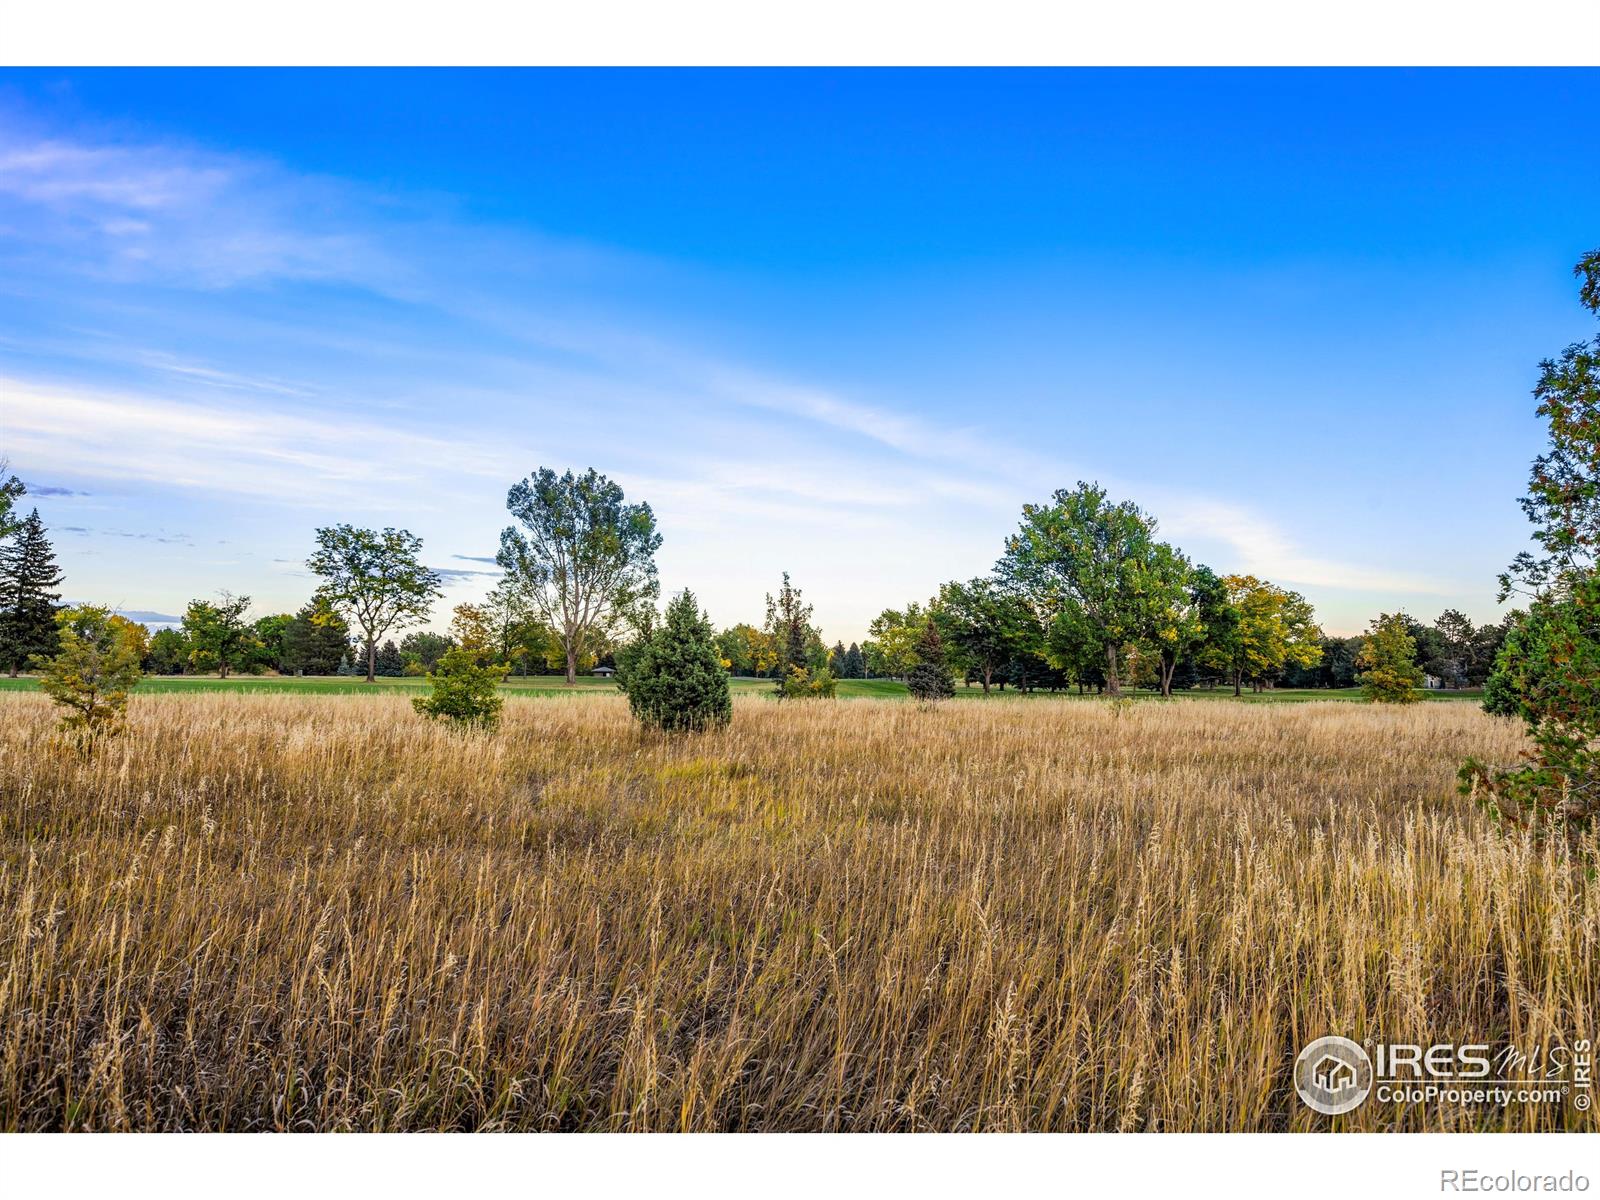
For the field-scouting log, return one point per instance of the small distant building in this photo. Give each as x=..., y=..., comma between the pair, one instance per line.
x=1432, y=682
x=605, y=672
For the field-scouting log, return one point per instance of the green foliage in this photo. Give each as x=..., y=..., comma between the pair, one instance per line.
x=1271, y=628
x=317, y=640
x=95, y=668
x=28, y=582
x=1086, y=567
x=929, y=681
x=218, y=636
x=168, y=653
x=12, y=489
x=1388, y=662
x=465, y=690
x=423, y=649
x=791, y=638
x=674, y=678
x=983, y=626
x=804, y=683
x=1548, y=671
x=1172, y=592
x=374, y=580
x=891, y=649
x=271, y=634
x=582, y=558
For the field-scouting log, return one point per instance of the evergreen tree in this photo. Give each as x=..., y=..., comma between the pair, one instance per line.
x=317, y=641
x=674, y=678
x=838, y=660
x=28, y=582
x=390, y=661
x=929, y=680
x=855, y=663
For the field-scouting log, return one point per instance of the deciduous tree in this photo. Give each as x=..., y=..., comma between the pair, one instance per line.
x=218, y=636
x=1388, y=662
x=94, y=669
x=1082, y=563
x=982, y=625
x=375, y=580
x=1549, y=667
x=582, y=557
x=1275, y=627
x=12, y=489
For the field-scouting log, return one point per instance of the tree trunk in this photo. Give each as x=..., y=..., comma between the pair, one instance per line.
x=1238, y=678
x=1113, y=684
x=1169, y=667
x=988, y=672
x=572, y=667
x=372, y=660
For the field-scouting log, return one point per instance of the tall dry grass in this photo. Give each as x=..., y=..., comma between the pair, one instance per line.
x=273, y=912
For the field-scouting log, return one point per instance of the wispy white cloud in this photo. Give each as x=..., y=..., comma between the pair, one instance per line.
x=1260, y=547
x=290, y=457
x=177, y=214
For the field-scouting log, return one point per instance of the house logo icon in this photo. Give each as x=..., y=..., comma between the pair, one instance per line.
x=1333, y=1075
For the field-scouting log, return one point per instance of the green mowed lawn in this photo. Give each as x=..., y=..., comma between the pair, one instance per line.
x=555, y=686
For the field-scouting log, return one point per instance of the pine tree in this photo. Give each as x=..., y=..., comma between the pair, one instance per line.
x=28, y=597
x=674, y=679
x=929, y=681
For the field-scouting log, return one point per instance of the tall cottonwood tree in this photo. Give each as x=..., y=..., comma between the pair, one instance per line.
x=582, y=558
x=29, y=578
x=374, y=580
x=1083, y=564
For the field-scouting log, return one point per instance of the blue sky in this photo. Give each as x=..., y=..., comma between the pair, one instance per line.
x=838, y=323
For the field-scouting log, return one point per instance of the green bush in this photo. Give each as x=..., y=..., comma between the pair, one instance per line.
x=802, y=683
x=1548, y=674
x=674, y=679
x=465, y=690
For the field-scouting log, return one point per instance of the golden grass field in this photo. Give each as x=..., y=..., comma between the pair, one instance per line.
x=300, y=913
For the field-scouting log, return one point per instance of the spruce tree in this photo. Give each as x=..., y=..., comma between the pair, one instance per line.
x=674, y=679
x=929, y=681
x=855, y=663
x=29, y=578
x=390, y=661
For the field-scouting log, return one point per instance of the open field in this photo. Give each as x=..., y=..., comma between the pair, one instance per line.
x=555, y=685
x=297, y=912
